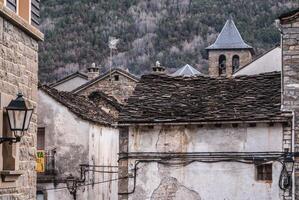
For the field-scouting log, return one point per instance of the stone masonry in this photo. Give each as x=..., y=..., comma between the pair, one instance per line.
x=245, y=58
x=290, y=51
x=120, y=89
x=18, y=73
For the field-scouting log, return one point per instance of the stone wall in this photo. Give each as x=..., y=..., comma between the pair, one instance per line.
x=18, y=73
x=245, y=58
x=290, y=56
x=120, y=89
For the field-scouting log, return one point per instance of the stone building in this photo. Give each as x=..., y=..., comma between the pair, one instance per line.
x=289, y=23
x=19, y=37
x=117, y=83
x=214, y=138
x=229, y=52
x=73, y=131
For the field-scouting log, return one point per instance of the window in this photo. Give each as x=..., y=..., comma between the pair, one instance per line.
x=35, y=12
x=12, y=5
x=264, y=172
x=222, y=65
x=116, y=78
x=41, y=139
x=236, y=62
x=40, y=195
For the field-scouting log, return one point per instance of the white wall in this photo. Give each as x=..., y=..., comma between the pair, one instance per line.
x=78, y=142
x=205, y=181
x=269, y=62
x=71, y=84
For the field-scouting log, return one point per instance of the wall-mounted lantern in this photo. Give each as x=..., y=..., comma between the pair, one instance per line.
x=71, y=184
x=19, y=116
x=285, y=181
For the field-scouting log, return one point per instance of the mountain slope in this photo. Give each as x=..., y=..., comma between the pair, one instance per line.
x=175, y=32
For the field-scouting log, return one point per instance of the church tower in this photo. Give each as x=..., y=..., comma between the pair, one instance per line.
x=229, y=52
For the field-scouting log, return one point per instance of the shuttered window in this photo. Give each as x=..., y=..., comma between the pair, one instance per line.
x=264, y=172
x=35, y=17
x=12, y=4
x=41, y=139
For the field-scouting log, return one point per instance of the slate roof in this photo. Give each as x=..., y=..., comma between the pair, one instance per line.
x=64, y=79
x=80, y=106
x=186, y=70
x=101, y=96
x=229, y=38
x=165, y=99
x=105, y=75
x=289, y=16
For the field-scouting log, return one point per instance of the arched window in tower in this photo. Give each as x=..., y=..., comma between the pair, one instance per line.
x=222, y=65
x=236, y=62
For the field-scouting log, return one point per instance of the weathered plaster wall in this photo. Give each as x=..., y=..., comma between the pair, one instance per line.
x=71, y=84
x=18, y=73
x=121, y=89
x=202, y=180
x=78, y=142
x=269, y=62
x=103, y=151
x=65, y=132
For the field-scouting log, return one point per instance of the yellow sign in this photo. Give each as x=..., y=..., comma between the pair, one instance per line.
x=40, y=161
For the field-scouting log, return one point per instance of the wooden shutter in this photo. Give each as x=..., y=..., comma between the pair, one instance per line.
x=12, y=4
x=41, y=139
x=35, y=16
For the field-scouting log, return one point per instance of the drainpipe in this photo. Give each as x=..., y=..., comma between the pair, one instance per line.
x=293, y=150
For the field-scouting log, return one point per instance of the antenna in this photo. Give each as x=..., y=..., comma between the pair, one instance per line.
x=112, y=46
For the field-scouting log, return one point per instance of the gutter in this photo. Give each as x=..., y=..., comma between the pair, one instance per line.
x=293, y=150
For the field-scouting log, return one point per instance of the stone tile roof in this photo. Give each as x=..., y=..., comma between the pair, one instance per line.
x=186, y=70
x=229, y=38
x=98, y=95
x=80, y=106
x=165, y=99
x=289, y=16
x=105, y=75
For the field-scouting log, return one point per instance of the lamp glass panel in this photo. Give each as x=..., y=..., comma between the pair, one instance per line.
x=289, y=166
x=27, y=120
x=16, y=119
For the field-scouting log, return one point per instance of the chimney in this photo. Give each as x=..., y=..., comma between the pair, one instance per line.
x=158, y=69
x=93, y=71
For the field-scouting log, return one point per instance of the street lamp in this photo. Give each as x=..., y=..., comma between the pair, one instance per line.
x=71, y=184
x=19, y=116
x=286, y=173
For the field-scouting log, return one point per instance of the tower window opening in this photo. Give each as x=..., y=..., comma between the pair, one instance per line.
x=236, y=63
x=222, y=65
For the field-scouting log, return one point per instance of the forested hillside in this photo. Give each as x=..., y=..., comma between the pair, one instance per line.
x=175, y=32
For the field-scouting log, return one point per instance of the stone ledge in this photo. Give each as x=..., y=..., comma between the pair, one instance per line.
x=21, y=23
x=10, y=176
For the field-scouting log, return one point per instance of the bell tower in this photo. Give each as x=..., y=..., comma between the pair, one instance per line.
x=229, y=52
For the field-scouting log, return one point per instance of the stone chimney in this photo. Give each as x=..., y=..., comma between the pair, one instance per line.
x=158, y=69
x=93, y=71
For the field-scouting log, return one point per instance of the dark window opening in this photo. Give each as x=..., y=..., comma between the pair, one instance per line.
x=264, y=172
x=116, y=77
x=41, y=139
x=40, y=195
x=35, y=12
x=222, y=65
x=12, y=5
x=236, y=63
